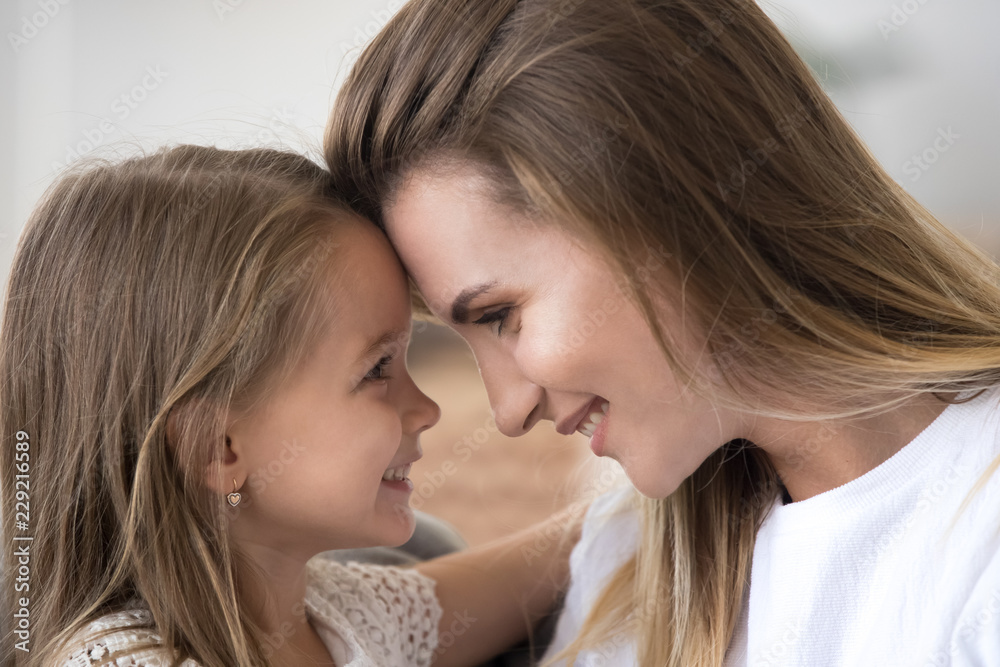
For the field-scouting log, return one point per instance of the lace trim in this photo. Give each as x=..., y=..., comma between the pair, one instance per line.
x=387, y=616
x=133, y=628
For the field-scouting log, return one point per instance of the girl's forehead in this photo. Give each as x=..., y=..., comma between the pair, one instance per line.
x=365, y=296
x=366, y=267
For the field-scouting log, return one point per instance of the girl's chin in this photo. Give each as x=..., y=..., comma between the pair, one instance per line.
x=402, y=523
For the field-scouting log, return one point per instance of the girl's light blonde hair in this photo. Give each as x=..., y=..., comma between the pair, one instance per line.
x=689, y=128
x=172, y=288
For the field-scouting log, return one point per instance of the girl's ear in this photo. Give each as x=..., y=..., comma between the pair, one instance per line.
x=227, y=474
x=223, y=465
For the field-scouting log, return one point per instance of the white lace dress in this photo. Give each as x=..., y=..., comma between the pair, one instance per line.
x=367, y=615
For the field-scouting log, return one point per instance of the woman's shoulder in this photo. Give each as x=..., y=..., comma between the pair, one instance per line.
x=391, y=612
x=976, y=635
x=123, y=638
x=609, y=537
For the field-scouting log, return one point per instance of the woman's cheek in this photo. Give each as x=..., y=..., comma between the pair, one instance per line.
x=554, y=358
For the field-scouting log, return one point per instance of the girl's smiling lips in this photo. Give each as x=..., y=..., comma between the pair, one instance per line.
x=397, y=477
x=401, y=471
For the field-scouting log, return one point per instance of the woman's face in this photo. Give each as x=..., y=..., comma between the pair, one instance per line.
x=553, y=333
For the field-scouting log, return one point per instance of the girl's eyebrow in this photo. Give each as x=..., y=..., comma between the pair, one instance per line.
x=380, y=341
x=460, y=306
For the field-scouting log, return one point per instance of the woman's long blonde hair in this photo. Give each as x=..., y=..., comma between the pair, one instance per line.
x=164, y=289
x=692, y=128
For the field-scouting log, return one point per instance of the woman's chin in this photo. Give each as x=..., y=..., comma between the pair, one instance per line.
x=655, y=488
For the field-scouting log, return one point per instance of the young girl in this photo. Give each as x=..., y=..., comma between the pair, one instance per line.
x=203, y=387
x=653, y=227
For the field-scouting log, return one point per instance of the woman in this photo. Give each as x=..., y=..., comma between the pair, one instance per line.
x=653, y=227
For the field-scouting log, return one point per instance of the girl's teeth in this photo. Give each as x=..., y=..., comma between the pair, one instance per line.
x=396, y=474
x=605, y=405
x=597, y=417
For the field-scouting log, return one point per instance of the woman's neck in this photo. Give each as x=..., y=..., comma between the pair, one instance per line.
x=812, y=458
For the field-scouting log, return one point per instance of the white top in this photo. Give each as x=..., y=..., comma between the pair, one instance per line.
x=367, y=615
x=863, y=574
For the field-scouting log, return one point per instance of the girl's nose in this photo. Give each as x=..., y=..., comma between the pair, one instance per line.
x=431, y=410
x=422, y=413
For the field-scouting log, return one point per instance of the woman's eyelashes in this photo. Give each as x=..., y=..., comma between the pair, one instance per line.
x=378, y=371
x=498, y=316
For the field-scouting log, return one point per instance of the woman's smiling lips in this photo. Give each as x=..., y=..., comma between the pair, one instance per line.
x=592, y=421
x=596, y=415
x=590, y=414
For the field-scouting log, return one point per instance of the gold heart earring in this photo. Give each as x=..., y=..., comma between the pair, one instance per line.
x=234, y=497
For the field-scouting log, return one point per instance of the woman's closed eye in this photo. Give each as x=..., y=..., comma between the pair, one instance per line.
x=498, y=316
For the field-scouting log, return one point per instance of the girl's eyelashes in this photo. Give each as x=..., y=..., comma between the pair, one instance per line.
x=378, y=371
x=499, y=316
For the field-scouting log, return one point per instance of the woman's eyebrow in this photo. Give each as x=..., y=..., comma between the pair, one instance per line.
x=460, y=306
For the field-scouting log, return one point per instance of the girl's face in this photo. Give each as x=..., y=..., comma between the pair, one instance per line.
x=554, y=335
x=316, y=456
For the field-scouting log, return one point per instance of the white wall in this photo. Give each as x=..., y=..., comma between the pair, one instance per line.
x=907, y=74
x=103, y=76
x=80, y=73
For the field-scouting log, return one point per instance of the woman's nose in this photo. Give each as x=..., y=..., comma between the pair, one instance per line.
x=515, y=400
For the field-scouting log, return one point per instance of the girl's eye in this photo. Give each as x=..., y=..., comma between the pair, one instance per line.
x=378, y=371
x=498, y=316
